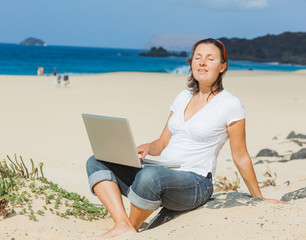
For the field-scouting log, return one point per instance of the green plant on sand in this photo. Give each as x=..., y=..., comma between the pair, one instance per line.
x=19, y=188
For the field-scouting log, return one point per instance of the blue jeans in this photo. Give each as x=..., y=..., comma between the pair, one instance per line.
x=153, y=186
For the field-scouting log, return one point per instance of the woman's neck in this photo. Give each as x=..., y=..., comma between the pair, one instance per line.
x=204, y=90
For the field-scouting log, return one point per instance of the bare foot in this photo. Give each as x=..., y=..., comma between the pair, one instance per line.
x=117, y=230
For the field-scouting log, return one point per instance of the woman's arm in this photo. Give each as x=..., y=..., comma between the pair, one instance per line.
x=156, y=147
x=242, y=160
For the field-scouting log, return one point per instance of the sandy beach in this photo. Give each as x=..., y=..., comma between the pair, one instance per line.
x=42, y=121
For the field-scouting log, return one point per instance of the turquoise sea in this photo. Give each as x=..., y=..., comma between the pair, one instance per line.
x=25, y=60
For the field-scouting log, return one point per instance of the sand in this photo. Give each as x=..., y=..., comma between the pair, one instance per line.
x=43, y=122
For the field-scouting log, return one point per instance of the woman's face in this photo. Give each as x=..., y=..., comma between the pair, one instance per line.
x=206, y=64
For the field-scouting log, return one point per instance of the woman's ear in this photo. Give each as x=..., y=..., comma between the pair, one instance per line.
x=223, y=67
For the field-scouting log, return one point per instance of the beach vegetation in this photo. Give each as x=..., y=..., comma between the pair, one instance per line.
x=23, y=189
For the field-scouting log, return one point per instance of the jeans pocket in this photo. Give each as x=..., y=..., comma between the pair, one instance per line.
x=205, y=192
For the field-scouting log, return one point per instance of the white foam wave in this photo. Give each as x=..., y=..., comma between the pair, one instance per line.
x=181, y=70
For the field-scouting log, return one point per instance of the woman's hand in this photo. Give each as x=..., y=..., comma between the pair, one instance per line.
x=143, y=150
x=156, y=147
x=273, y=200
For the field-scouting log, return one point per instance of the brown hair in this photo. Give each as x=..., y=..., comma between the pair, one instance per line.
x=192, y=83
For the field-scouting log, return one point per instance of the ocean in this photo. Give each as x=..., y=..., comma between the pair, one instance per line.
x=25, y=60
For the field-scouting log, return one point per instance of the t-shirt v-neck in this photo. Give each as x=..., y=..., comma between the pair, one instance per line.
x=201, y=109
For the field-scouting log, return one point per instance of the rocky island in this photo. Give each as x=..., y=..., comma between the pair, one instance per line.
x=33, y=41
x=161, y=52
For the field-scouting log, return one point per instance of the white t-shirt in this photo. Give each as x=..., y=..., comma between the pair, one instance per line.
x=195, y=144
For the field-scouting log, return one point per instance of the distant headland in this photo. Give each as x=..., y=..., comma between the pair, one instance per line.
x=287, y=47
x=33, y=41
x=283, y=48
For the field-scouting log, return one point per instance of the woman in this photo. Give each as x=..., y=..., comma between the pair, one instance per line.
x=201, y=120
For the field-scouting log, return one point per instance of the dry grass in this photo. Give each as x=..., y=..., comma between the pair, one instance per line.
x=222, y=184
x=3, y=205
x=271, y=181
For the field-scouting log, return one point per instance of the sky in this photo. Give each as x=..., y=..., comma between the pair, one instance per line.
x=132, y=23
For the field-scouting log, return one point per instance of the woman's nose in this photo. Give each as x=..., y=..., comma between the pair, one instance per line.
x=202, y=62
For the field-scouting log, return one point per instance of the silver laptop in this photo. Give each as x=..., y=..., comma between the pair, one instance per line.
x=112, y=140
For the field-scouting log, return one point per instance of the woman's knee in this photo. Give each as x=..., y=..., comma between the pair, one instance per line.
x=149, y=175
x=148, y=181
x=90, y=162
x=93, y=165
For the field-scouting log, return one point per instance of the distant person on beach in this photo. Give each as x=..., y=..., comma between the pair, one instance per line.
x=54, y=71
x=59, y=77
x=202, y=118
x=66, y=79
x=40, y=71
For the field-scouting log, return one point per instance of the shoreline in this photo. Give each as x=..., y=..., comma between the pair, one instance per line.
x=303, y=70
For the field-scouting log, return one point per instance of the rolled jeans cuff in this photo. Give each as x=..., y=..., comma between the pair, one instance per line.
x=141, y=202
x=99, y=176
